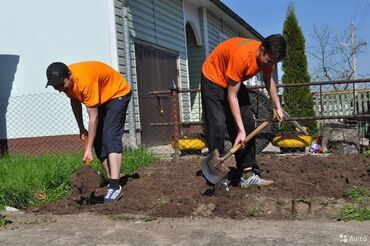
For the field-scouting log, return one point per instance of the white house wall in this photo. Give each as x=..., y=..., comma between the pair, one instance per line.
x=38, y=33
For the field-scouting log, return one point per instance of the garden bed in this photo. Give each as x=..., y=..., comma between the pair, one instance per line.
x=305, y=187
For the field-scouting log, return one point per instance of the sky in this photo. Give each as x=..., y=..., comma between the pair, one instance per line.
x=268, y=16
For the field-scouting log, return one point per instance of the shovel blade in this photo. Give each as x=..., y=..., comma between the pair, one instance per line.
x=213, y=168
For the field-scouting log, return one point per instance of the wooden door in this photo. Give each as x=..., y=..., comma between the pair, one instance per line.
x=156, y=70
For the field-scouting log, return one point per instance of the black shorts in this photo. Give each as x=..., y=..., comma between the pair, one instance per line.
x=111, y=124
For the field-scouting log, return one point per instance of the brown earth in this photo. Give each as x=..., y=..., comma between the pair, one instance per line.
x=305, y=187
x=84, y=183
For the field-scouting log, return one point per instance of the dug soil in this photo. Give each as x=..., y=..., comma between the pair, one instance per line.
x=305, y=187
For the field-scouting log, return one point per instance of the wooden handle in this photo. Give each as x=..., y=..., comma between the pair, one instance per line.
x=249, y=137
x=259, y=128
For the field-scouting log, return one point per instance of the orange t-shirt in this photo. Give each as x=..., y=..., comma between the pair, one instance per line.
x=234, y=58
x=95, y=83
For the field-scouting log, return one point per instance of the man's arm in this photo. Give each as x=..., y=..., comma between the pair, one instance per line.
x=77, y=111
x=272, y=90
x=232, y=97
x=93, y=125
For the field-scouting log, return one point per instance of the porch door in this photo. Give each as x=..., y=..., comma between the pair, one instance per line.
x=156, y=70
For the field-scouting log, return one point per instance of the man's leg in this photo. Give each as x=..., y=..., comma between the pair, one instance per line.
x=106, y=168
x=115, y=165
x=213, y=101
x=98, y=143
x=246, y=157
x=112, y=143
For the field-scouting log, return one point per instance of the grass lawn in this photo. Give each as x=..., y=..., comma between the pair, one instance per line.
x=28, y=180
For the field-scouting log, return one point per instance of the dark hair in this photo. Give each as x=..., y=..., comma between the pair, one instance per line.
x=275, y=45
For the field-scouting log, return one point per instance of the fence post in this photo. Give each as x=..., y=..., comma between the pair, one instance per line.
x=175, y=117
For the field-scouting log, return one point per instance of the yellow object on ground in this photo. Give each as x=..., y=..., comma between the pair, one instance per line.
x=295, y=141
x=191, y=143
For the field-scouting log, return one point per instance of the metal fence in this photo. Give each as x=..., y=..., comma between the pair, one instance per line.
x=38, y=124
x=44, y=123
x=342, y=118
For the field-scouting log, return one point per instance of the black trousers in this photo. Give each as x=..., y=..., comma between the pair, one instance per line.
x=218, y=119
x=111, y=124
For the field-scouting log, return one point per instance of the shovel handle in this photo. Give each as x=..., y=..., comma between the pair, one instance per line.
x=250, y=136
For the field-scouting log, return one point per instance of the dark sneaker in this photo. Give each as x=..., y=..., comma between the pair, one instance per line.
x=254, y=180
x=113, y=195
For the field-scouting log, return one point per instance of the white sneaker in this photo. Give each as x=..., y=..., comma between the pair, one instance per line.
x=254, y=180
x=113, y=195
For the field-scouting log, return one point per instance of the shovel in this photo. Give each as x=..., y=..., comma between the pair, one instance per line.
x=213, y=168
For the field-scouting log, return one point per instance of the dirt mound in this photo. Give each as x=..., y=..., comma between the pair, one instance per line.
x=305, y=186
x=84, y=183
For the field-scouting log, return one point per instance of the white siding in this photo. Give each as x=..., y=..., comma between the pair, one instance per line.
x=122, y=61
x=159, y=22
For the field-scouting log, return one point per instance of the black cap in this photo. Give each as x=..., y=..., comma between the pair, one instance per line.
x=56, y=73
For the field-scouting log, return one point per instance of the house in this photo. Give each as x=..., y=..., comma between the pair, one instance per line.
x=168, y=41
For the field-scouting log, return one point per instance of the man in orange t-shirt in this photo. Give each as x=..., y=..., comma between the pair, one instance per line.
x=106, y=95
x=225, y=98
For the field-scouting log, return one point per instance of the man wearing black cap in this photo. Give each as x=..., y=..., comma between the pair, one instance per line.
x=106, y=95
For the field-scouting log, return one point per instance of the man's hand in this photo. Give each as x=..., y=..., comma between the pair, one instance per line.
x=240, y=139
x=279, y=115
x=88, y=156
x=83, y=134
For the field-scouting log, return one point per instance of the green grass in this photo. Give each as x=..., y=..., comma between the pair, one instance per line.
x=4, y=221
x=358, y=194
x=358, y=211
x=351, y=212
x=136, y=158
x=24, y=176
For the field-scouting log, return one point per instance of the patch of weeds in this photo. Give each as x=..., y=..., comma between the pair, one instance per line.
x=124, y=217
x=256, y=212
x=359, y=211
x=358, y=194
x=324, y=203
x=149, y=219
x=366, y=152
x=4, y=221
x=350, y=212
x=163, y=201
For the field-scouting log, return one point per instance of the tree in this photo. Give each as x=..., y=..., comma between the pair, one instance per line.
x=298, y=101
x=335, y=56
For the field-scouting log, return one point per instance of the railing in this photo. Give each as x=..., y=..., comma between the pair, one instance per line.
x=329, y=105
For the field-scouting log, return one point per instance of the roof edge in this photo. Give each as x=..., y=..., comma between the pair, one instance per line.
x=236, y=17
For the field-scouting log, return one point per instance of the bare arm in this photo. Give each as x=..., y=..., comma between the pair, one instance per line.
x=232, y=97
x=77, y=111
x=272, y=90
x=93, y=125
